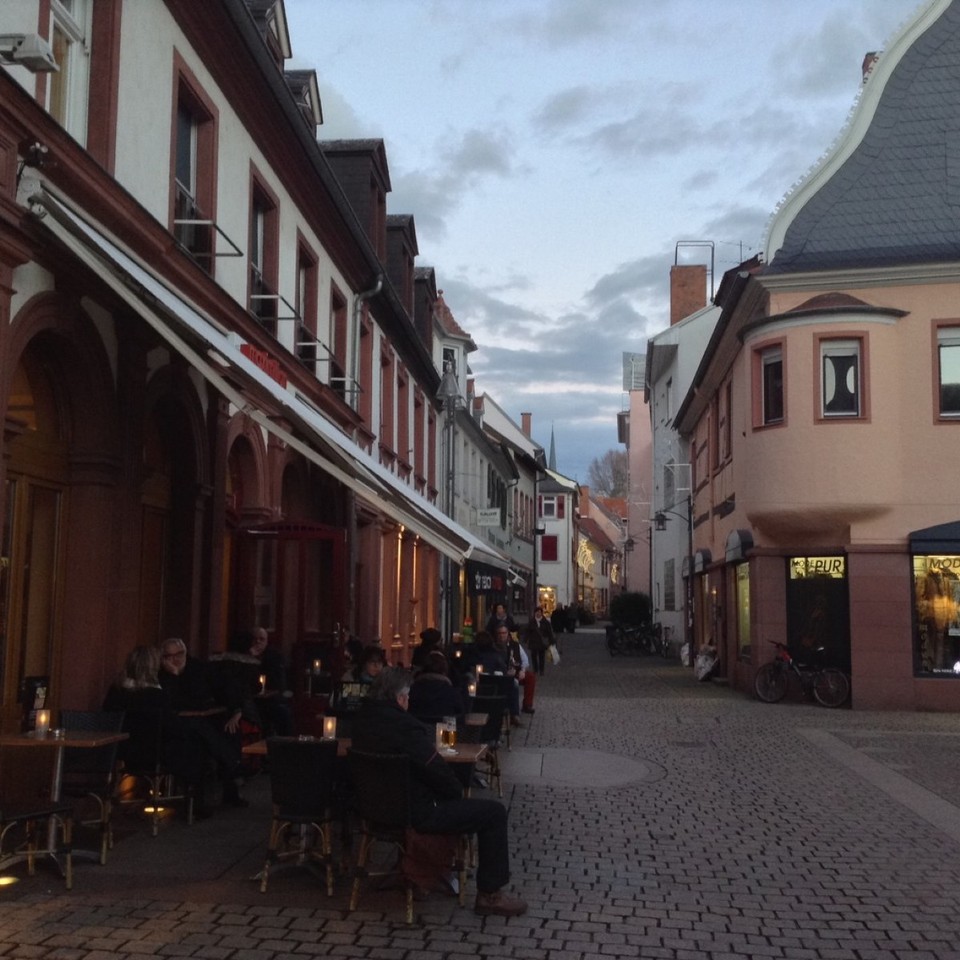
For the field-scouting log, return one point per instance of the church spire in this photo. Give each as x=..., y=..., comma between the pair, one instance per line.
x=552, y=462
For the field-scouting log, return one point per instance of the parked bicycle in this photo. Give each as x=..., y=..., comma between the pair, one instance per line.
x=829, y=685
x=628, y=641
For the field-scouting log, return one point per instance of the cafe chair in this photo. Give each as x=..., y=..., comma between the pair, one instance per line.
x=302, y=788
x=490, y=685
x=91, y=773
x=142, y=766
x=491, y=733
x=24, y=831
x=381, y=801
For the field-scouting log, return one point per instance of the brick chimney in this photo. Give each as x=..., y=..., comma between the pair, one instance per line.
x=584, y=500
x=688, y=290
x=869, y=61
x=525, y=419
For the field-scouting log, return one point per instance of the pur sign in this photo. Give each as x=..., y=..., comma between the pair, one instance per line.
x=835, y=568
x=265, y=362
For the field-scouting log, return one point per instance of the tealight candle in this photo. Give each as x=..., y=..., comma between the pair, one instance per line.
x=472, y=688
x=43, y=723
x=329, y=728
x=263, y=683
x=479, y=669
x=316, y=667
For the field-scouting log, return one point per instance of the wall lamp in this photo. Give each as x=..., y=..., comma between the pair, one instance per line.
x=27, y=50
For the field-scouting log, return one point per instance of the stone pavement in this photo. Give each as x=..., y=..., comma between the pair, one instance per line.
x=652, y=816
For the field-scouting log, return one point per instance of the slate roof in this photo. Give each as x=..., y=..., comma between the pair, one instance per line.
x=896, y=199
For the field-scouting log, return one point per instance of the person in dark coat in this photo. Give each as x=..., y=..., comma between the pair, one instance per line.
x=432, y=694
x=156, y=732
x=383, y=725
x=430, y=639
x=498, y=617
x=539, y=635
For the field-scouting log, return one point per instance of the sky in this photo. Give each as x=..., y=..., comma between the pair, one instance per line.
x=553, y=154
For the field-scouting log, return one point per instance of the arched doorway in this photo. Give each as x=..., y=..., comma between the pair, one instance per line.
x=36, y=502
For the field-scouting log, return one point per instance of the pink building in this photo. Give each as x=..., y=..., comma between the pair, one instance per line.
x=823, y=420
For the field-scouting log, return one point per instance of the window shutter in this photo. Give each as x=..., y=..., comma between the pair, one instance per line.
x=560, y=502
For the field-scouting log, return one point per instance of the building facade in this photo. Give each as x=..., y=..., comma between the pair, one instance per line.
x=822, y=420
x=219, y=411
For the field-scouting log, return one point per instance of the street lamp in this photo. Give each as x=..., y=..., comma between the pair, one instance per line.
x=660, y=521
x=448, y=393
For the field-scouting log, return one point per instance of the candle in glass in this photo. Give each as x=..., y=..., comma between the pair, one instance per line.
x=472, y=688
x=43, y=723
x=263, y=683
x=479, y=669
x=316, y=667
x=329, y=728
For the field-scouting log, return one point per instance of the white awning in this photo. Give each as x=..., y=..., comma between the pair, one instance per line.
x=215, y=352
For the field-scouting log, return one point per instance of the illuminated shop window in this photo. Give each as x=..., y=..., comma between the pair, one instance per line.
x=936, y=590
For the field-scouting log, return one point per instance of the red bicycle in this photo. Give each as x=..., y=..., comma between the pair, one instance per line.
x=830, y=686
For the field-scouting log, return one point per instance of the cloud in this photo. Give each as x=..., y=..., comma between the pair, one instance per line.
x=571, y=23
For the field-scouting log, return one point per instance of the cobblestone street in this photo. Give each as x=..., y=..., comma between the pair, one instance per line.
x=652, y=816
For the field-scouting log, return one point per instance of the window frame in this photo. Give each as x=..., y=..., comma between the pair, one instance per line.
x=943, y=330
x=71, y=82
x=196, y=200
x=553, y=541
x=841, y=344
x=263, y=253
x=307, y=298
x=763, y=356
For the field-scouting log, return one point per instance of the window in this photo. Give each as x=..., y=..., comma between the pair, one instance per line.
x=771, y=371
x=262, y=256
x=743, y=610
x=948, y=363
x=548, y=548
x=840, y=382
x=193, y=187
x=726, y=417
x=669, y=584
x=936, y=590
x=306, y=344
x=450, y=361
x=548, y=506
x=69, y=87
x=338, y=341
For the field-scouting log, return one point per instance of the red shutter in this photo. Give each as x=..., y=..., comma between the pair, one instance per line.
x=560, y=503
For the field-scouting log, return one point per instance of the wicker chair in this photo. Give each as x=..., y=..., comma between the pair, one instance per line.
x=302, y=787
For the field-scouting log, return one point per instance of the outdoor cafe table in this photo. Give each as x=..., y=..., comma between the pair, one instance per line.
x=464, y=752
x=81, y=739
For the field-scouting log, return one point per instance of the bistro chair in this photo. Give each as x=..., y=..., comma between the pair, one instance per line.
x=90, y=773
x=143, y=766
x=30, y=820
x=381, y=801
x=491, y=733
x=492, y=685
x=302, y=788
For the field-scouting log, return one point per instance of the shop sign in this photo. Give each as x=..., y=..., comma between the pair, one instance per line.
x=269, y=365
x=488, y=517
x=483, y=578
x=834, y=568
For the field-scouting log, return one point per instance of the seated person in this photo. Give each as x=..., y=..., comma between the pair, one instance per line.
x=157, y=734
x=432, y=694
x=499, y=616
x=273, y=705
x=371, y=663
x=484, y=653
x=235, y=677
x=186, y=682
x=519, y=666
x=430, y=639
x=438, y=806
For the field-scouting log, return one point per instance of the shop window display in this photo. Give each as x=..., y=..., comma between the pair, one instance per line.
x=936, y=582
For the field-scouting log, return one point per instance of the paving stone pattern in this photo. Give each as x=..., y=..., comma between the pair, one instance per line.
x=745, y=838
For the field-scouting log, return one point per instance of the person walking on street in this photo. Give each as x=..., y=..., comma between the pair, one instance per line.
x=539, y=635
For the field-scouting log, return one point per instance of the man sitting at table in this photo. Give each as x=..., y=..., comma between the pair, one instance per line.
x=383, y=725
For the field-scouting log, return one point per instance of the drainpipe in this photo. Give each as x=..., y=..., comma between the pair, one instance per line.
x=355, y=359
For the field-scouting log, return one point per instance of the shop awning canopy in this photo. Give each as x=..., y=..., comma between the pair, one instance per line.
x=943, y=538
x=215, y=352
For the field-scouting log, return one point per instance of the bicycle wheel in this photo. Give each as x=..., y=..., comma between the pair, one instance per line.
x=770, y=682
x=831, y=687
